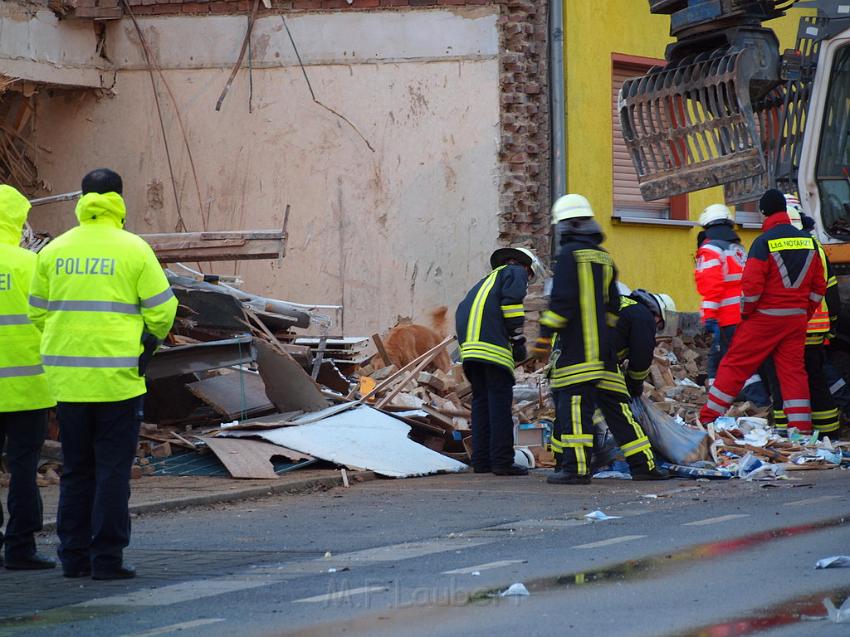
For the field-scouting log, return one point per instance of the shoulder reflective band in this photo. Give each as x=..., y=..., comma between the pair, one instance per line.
x=14, y=319
x=157, y=299
x=23, y=370
x=791, y=243
x=92, y=306
x=91, y=361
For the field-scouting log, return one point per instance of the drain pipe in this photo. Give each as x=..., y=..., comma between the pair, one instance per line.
x=557, y=111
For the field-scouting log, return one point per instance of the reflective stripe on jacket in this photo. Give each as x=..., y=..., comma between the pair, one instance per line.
x=95, y=290
x=719, y=268
x=821, y=322
x=490, y=314
x=23, y=385
x=583, y=310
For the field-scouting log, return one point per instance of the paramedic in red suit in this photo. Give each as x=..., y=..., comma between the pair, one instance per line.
x=783, y=284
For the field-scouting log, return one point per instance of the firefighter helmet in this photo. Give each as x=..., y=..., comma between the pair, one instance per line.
x=523, y=256
x=570, y=206
x=714, y=214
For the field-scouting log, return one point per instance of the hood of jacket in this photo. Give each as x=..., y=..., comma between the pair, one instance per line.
x=776, y=219
x=14, y=208
x=723, y=232
x=101, y=209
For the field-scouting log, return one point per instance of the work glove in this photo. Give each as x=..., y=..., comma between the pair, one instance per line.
x=518, y=349
x=542, y=348
x=635, y=387
x=150, y=344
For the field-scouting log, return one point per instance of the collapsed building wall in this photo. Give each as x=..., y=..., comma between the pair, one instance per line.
x=449, y=100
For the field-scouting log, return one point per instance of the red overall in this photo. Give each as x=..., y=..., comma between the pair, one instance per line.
x=782, y=286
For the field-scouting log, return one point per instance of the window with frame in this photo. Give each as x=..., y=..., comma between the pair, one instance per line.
x=629, y=205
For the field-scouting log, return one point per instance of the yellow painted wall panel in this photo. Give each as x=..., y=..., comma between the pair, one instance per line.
x=659, y=258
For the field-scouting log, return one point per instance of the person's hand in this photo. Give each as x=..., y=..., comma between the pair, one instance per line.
x=542, y=349
x=150, y=343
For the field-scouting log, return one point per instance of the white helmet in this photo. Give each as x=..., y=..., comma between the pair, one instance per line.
x=523, y=256
x=666, y=303
x=663, y=303
x=794, y=210
x=716, y=213
x=571, y=206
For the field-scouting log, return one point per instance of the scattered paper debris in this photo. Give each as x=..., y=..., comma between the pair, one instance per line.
x=836, y=561
x=601, y=517
x=838, y=615
x=516, y=589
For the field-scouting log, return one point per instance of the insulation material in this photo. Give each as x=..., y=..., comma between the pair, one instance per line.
x=360, y=438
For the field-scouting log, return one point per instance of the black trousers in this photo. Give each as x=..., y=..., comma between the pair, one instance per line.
x=21, y=435
x=573, y=438
x=492, y=416
x=825, y=415
x=98, y=444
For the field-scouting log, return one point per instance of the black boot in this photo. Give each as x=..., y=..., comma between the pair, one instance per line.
x=34, y=562
x=510, y=470
x=655, y=474
x=122, y=572
x=562, y=477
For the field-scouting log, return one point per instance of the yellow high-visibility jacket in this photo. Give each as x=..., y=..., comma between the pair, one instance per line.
x=23, y=385
x=96, y=289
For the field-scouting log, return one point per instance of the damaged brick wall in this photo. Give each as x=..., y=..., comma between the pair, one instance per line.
x=525, y=129
x=524, y=179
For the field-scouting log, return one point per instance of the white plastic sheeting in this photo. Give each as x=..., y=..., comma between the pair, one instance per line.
x=359, y=438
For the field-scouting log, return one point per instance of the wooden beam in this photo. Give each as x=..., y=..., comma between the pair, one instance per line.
x=233, y=245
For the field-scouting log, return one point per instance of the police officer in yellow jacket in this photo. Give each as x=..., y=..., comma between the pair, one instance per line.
x=103, y=303
x=489, y=324
x=24, y=397
x=583, y=312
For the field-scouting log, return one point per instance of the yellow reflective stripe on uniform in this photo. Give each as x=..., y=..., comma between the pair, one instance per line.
x=587, y=302
x=90, y=361
x=157, y=299
x=636, y=446
x=611, y=319
x=553, y=320
x=831, y=282
x=575, y=416
x=577, y=441
x=14, y=319
x=637, y=375
x=476, y=313
x=791, y=243
x=556, y=446
x=487, y=352
x=815, y=338
x=21, y=370
x=607, y=275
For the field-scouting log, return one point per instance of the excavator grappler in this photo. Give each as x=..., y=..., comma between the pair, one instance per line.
x=727, y=108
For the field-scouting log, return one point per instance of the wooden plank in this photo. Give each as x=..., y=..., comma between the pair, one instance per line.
x=382, y=351
x=232, y=396
x=413, y=373
x=390, y=380
x=250, y=459
x=218, y=246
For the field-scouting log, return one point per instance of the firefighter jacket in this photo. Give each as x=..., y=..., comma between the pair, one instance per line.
x=784, y=275
x=582, y=311
x=491, y=315
x=96, y=289
x=719, y=267
x=635, y=337
x=23, y=385
x=825, y=318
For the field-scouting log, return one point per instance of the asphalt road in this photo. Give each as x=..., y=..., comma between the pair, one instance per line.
x=430, y=556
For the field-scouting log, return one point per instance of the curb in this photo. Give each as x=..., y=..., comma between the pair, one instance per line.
x=292, y=488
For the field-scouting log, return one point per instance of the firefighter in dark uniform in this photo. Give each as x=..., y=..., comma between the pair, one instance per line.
x=583, y=311
x=642, y=314
x=489, y=324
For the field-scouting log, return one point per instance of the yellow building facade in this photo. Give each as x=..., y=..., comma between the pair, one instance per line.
x=597, y=34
